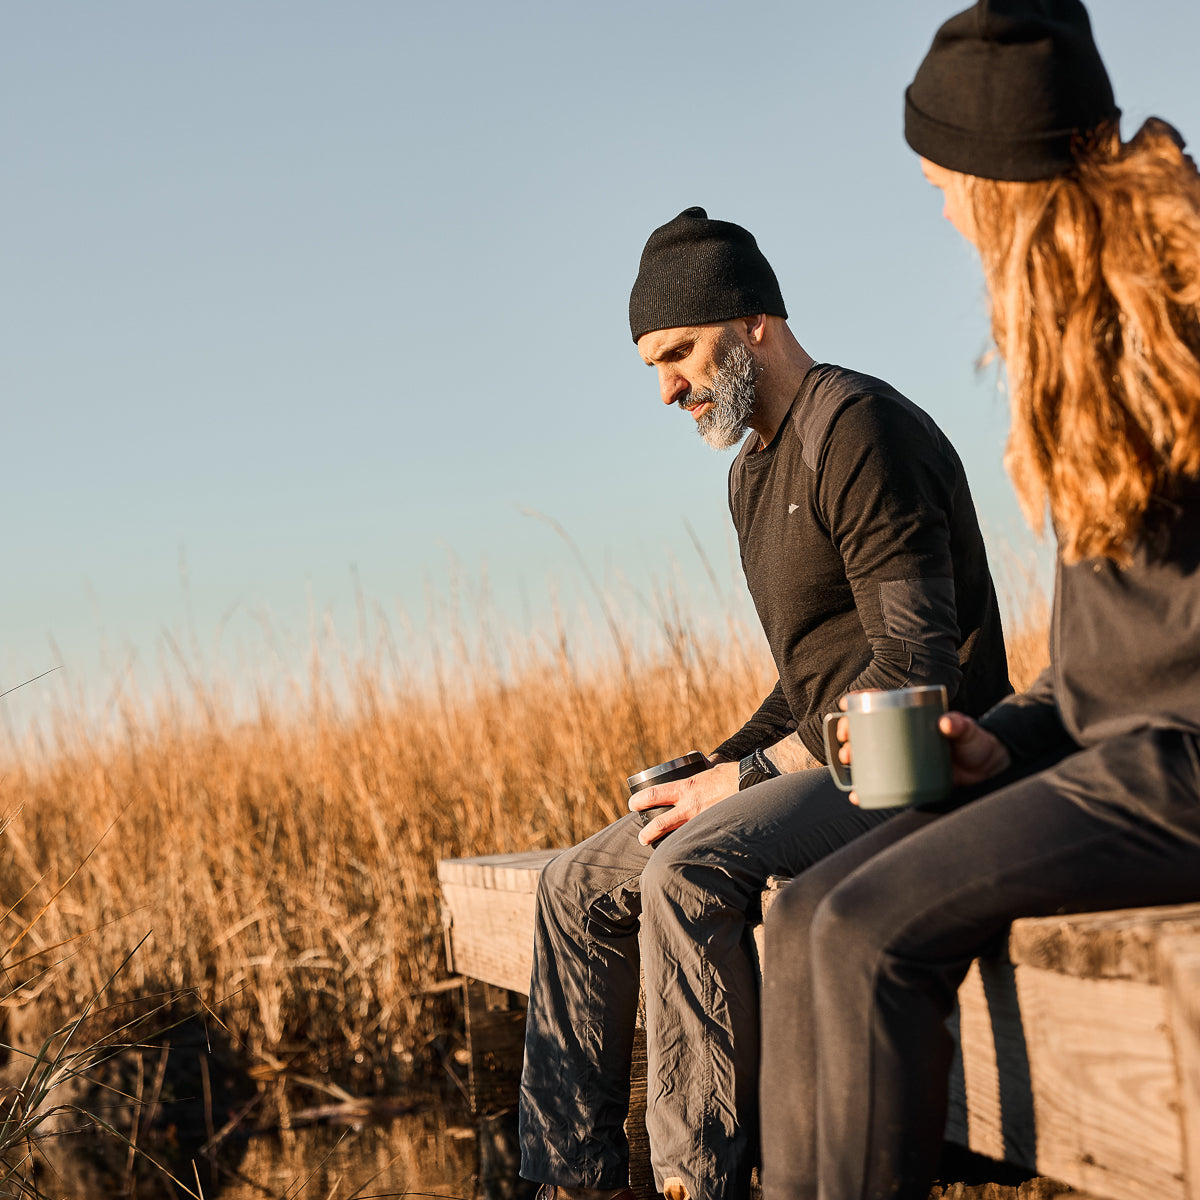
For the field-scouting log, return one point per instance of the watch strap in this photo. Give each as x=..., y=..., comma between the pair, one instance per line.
x=756, y=767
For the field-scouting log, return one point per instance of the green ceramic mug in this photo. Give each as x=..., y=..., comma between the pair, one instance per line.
x=900, y=757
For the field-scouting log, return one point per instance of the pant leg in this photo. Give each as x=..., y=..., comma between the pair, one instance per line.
x=583, y=999
x=788, y=1078
x=1115, y=825
x=700, y=890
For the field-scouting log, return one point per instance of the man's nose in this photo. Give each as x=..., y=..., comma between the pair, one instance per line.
x=673, y=386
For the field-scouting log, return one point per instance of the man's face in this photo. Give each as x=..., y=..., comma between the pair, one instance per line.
x=709, y=371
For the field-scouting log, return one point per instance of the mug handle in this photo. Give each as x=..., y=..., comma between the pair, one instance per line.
x=840, y=772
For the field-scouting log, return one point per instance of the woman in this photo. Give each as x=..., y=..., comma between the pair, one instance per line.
x=1083, y=793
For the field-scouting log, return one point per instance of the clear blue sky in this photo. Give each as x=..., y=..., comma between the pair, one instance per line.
x=297, y=289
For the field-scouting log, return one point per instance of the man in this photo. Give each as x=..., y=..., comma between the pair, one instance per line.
x=861, y=550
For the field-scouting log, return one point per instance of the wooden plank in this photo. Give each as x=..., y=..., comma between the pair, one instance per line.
x=980, y=1075
x=957, y=1125
x=496, y=872
x=490, y=934
x=641, y=1175
x=995, y=1055
x=1072, y=1078
x=1106, y=945
x=1179, y=956
x=1103, y=1078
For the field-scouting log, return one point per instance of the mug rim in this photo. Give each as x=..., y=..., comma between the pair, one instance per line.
x=663, y=772
x=926, y=696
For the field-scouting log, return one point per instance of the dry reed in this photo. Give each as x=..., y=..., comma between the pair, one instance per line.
x=285, y=864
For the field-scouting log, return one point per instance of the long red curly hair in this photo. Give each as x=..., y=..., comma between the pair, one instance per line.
x=1094, y=280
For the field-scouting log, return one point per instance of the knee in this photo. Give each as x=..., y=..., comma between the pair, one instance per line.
x=560, y=883
x=822, y=925
x=847, y=926
x=592, y=882
x=662, y=878
x=678, y=885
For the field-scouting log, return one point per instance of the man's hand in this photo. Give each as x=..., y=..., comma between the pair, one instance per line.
x=975, y=754
x=685, y=799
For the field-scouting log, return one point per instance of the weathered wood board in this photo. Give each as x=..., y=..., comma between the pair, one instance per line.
x=1079, y=1051
x=1179, y=967
x=1122, y=944
x=1105, y=1094
x=487, y=916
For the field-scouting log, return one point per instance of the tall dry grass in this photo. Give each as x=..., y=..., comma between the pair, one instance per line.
x=284, y=865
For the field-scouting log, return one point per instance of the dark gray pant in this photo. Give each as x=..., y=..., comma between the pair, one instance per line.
x=695, y=893
x=866, y=951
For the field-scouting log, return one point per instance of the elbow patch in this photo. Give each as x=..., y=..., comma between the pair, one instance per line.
x=919, y=611
x=917, y=616
x=921, y=614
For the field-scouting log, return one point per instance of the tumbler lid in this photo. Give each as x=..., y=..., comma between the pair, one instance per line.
x=691, y=763
x=912, y=697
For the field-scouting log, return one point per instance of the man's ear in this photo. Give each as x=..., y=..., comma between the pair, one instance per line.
x=756, y=328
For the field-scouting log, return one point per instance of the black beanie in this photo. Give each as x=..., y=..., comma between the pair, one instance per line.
x=695, y=272
x=1006, y=88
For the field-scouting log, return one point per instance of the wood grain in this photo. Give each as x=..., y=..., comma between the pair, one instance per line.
x=1104, y=1086
x=641, y=1175
x=1179, y=959
x=490, y=934
x=1108, y=945
x=496, y=872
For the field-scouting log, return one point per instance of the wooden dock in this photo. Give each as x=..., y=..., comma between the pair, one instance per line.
x=1079, y=1050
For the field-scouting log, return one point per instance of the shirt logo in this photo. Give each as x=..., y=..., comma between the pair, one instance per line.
x=792, y=508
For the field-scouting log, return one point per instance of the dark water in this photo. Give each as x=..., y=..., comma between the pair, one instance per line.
x=433, y=1152
x=187, y=1115
x=211, y=1134
x=437, y=1152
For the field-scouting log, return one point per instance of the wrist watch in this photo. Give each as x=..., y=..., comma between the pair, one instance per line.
x=755, y=768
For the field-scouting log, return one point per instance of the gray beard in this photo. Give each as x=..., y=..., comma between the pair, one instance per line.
x=732, y=395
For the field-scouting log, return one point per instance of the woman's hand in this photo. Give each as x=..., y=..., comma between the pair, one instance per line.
x=975, y=754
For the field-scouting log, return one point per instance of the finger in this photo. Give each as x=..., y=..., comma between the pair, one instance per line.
x=671, y=819
x=843, y=730
x=651, y=797
x=651, y=833
x=853, y=798
x=955, y=724
x=844, y=754
x=641, y=802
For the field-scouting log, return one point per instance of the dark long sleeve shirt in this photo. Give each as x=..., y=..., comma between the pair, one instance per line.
x=863, y=555
x=1124, y=644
